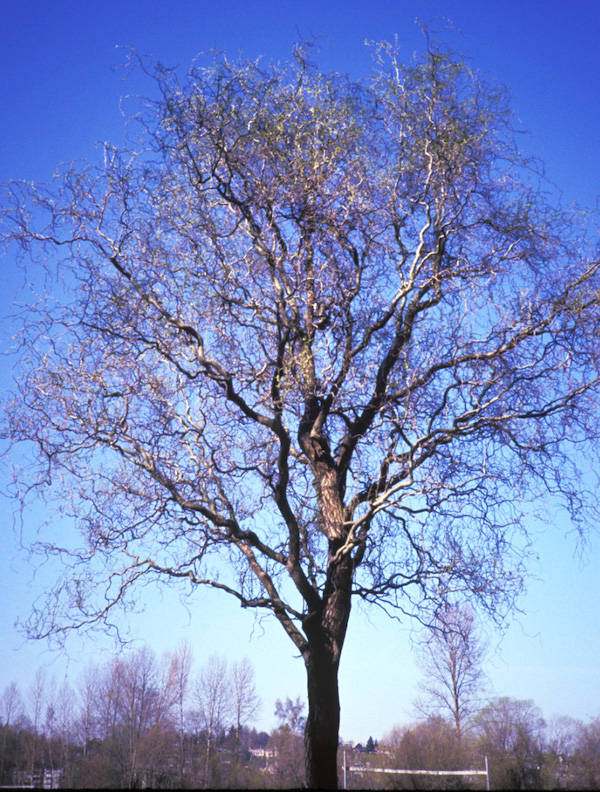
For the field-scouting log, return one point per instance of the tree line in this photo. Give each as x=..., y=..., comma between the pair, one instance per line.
x=137, y=720
x=523, y=751
x=140, y=721
x=462, y=728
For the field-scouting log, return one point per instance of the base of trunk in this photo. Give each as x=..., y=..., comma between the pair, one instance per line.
x=321, y=736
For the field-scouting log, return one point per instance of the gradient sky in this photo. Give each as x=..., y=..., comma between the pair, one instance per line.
x=59, y=96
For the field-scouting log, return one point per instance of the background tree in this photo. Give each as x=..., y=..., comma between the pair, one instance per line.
x=50, y=718
x=212, y=695
x=179, y=671
x=336, y=333
x=290, y=714
x=145, y=715
x=287, y=767
x=65, y=718
x=561, y=741
x=371, y=745
x=451, y=658
x=36, y=701
x=511, y=735
x=86, y=722
x=246, y=701
x=123, y=731
x=427, y=745
x=107, y=706
x=11, y=706
x=585, y=769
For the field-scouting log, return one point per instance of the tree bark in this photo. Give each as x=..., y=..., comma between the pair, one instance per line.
x=326, y=631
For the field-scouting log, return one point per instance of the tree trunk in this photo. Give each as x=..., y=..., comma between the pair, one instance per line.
x=321, y=734
x=326, y=631
x=207, y=759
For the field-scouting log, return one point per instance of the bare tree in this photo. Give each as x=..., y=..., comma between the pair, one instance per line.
x=11, y=705
x=286, y=743
x=290, y=714
x=107, y=698
x=50, y=718
x=86, y=721
x=139, y=699
x=36, y=699
x=451, y=658
x=335, y=333
x=128, y=705
x=65, y=714
x=212, y=694
x=562, y=735
x=246, y=701
x=179, y=672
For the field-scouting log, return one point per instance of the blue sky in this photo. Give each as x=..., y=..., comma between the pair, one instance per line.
x=59, y=96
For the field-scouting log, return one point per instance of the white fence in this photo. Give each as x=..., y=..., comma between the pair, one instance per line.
x=362, y=769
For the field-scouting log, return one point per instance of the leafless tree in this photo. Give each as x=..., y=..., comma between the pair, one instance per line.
x=213, y=699
x=179, y=672
x=86, y=721
x=336, y=333
x=11, y=706
x=107, y=698
x=65, y=716
x=246, y=701
x=290, y=714
x=286, y=743
x=562, y=739
x=451, y=657
x=139, y=706
x=36, y=700
x=50, y=723
x=562, y=735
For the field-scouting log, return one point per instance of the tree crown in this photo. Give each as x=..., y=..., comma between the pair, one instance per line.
x=303, y=320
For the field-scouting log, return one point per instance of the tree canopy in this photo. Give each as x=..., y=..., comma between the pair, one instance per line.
x=306, y=338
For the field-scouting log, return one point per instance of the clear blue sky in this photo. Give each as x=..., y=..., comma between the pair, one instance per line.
x=59, y=96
